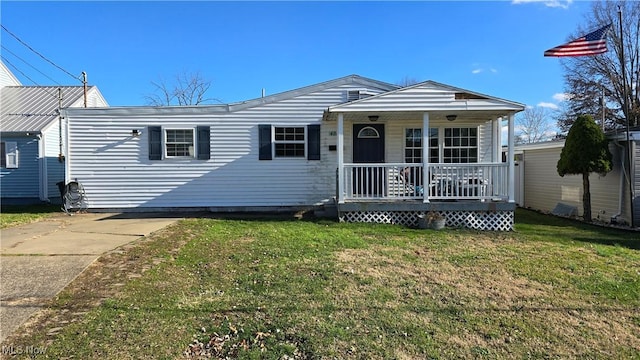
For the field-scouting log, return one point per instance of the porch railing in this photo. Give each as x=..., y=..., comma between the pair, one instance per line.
x=390, y=181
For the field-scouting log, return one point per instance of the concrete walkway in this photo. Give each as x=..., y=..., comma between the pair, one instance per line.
x=38, y=260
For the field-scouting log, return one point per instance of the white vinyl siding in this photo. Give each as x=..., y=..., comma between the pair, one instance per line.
x=116, y=171
x=544, y=188
x=53, y=168
x=396, y=136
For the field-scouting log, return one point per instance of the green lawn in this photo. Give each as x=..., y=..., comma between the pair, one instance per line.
x=13, y=215
x=285, y=289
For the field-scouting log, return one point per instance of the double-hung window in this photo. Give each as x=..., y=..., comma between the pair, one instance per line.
x=299, y=142
x=289, y=141
x=185, y=143
x=413, y=145
x=9, y=154
x=179, y=143
x=460, y=145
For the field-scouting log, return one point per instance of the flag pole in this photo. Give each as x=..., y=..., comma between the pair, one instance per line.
x=626, y=115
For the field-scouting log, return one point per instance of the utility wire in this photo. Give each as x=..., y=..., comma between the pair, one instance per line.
x=24, y=61
x=25, y=75
x=42, y=56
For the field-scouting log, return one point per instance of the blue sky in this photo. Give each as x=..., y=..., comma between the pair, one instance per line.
x=491, y=47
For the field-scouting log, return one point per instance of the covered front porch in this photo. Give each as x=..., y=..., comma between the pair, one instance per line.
x=400, y=156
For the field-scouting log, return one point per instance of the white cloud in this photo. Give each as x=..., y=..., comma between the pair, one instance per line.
x=564, y=4
x=559, y=97
x=548, y=105
x=479, y=70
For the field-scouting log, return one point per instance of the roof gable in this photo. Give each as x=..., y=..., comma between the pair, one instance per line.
x=429, y=96
x=346, y=80
x=33, y=108
x=6, y=77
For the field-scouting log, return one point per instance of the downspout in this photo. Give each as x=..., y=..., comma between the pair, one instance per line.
x=614, y=218
x=67, y=173
x=60, y=153
x=42, y=158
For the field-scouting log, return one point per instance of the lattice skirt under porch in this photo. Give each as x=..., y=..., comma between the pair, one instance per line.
x=479, y=220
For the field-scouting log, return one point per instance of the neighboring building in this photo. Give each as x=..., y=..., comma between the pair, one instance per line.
x=352, y=144
x=33, y=137
x=541, y=188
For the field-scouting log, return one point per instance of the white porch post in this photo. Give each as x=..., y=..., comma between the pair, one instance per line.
x=340, y=149
x=497, y=144
x=511, y=160
x=425, y=157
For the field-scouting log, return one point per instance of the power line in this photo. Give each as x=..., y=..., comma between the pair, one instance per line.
x=25, y=75
x=42, y=56
x=33, y=67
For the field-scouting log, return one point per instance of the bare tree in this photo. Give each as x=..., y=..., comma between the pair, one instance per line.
x=407, y=81
x=188, y=89
x=587, y=78
x=532, y=125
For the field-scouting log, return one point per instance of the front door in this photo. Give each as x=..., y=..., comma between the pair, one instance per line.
x=368, y=147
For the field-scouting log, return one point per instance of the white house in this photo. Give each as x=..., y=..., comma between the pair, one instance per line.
x=611, y=198
x=352, y=143
x=33, y=137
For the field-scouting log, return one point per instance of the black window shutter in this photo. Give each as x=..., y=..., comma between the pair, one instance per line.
x=204, y=147
x=155, y=143
x=313, y=142
x=264, y=138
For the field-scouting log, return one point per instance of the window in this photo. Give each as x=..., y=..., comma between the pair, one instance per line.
x=413, y=145
x=433, y=146
x=368, y=133
x=179, y=143
x=3, y=155
x=353, y=95
x=289, y=141
x=460, y=145
x=9, y=154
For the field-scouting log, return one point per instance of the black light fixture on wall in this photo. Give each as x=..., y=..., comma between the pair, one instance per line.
x=373, y=118
x=452, y=117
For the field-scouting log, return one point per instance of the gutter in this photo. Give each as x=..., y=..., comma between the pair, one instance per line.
x=34, y=134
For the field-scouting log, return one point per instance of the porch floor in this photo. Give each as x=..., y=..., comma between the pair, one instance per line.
x=419, y=205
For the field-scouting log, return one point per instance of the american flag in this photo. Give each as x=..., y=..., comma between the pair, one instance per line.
x=591, y=44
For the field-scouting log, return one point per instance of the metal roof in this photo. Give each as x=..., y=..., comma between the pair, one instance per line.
x=33, y=108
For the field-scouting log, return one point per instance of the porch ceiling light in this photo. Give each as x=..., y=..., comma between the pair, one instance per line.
x=452, y=117
x=373, y=118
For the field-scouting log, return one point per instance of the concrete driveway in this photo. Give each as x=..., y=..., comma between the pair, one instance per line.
x=38, y=260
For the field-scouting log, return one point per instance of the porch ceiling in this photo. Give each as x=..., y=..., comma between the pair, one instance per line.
x=386, y=116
